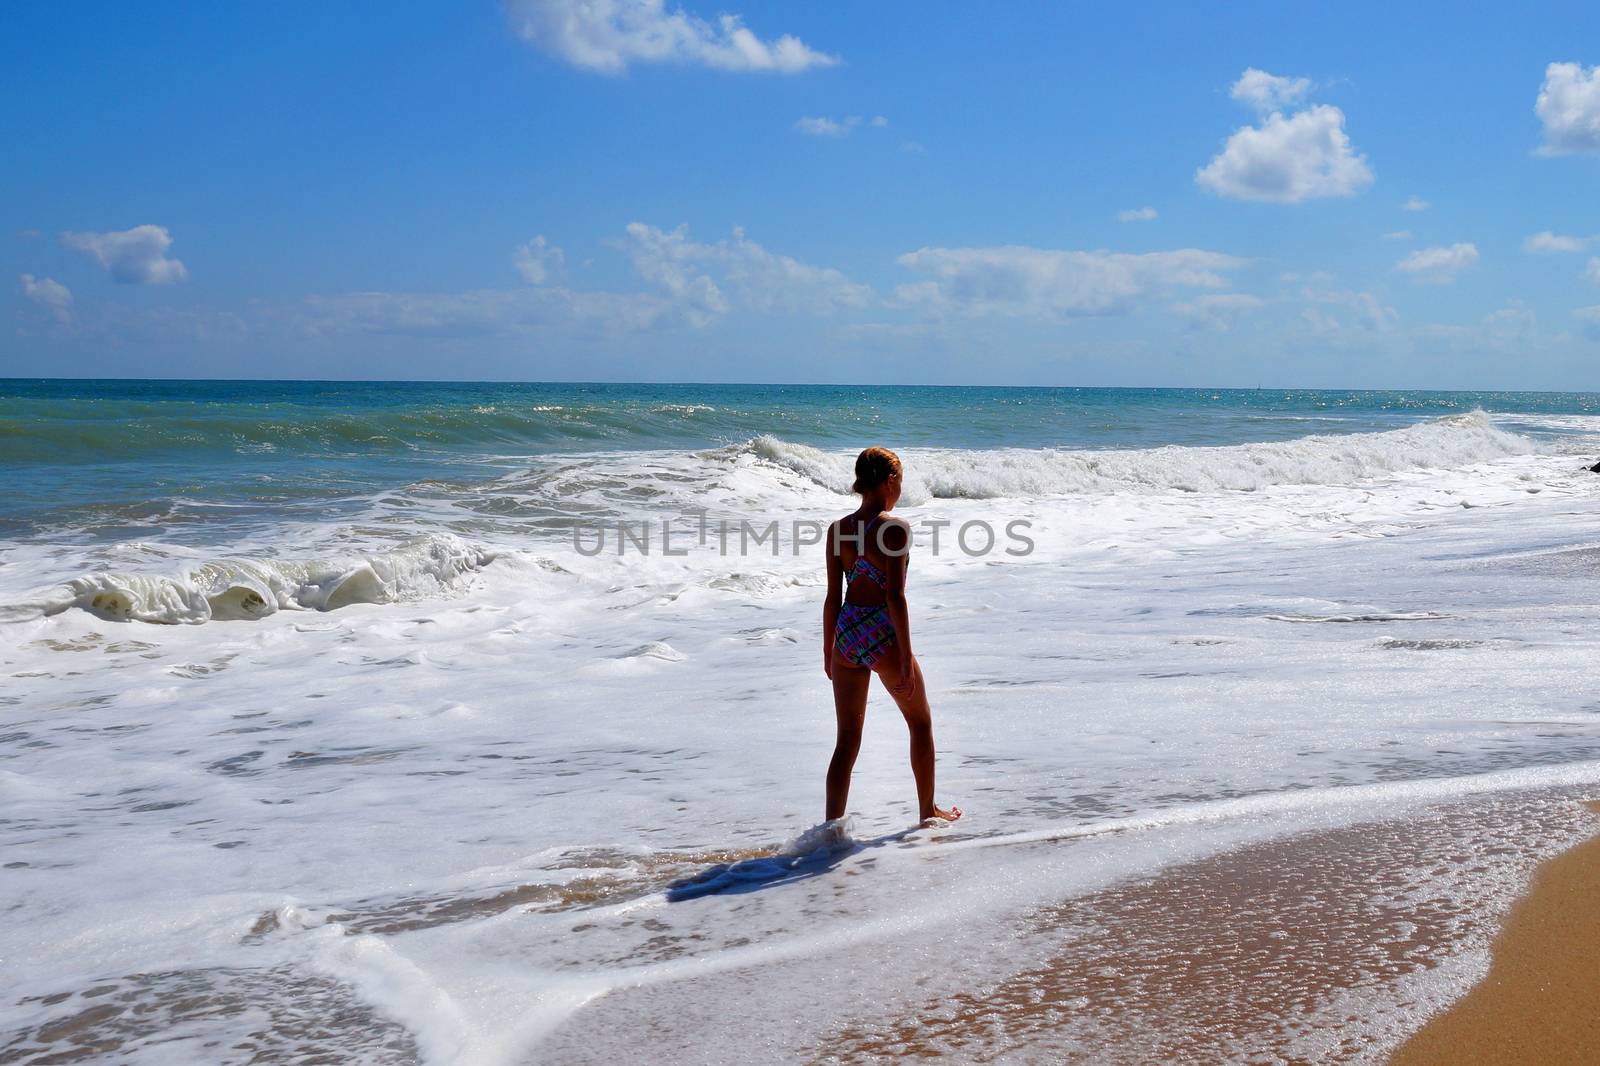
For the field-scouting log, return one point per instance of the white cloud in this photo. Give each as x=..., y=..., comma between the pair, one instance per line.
x=1514, y=324
x=1569, y=107
x=1138, y=214
x=1438, y=265
x=1512, y=330
x=695, y=274
x=135, y=256
x=1590, y=317
x=689, y=284
x=1398, y=235
x=1041, y=282
x=1415, y=203
x=666, y=260
x=827, y=127
x=1219, y=310
x=913, y=148
x=49, y=294
x=1352, y=313
x=539, y=261
x=608, y=36
x=1548, y=242
x=1593, y=271
x=822, y=126
x=1268, y=92
x=1288, y=160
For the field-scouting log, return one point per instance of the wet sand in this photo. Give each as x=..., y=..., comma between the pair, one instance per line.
x=1538, y=1002
x=1323, y=947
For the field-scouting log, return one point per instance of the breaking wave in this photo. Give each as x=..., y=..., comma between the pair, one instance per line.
x=247, y=589
x=1446, y=443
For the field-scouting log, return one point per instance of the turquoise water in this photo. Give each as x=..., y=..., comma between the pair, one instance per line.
x=209, y=460
x=332, y=658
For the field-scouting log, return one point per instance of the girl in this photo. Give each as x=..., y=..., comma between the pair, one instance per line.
x=870, y=632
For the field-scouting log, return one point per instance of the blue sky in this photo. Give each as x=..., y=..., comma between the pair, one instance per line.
x=880, y=192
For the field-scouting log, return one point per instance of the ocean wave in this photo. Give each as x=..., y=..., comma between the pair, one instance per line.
x=1334, y=459
x=249, y=589
x=75, y=431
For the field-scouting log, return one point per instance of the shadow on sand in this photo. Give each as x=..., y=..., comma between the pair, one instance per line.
x=811, y=854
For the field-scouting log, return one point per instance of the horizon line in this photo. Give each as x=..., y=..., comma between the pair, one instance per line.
x=794, y=384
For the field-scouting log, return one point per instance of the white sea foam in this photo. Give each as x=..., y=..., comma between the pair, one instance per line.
x=1446, y=443
x=530, y=812
x=249, y=589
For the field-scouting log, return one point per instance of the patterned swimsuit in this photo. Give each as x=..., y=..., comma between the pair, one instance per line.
x=864, y=630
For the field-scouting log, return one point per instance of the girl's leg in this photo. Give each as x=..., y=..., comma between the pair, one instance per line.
x=850, y=685
x=911, y=695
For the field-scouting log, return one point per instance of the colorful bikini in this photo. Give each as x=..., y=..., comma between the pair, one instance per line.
x=864, y=630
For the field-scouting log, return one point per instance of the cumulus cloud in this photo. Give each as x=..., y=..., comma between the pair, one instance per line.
x=689, y=284
x=539, y=261
x=1345, y=316
x=1218, y=310
x=607, y=36
x=713, y=278
x=1593, y=271
x=1438, y=265
x=666, y=259
x=1268, y=92
x=1415, y=203
x=49, y=294
x=1550, y=243
x=136, y=256
x=1288, y=160
x=1138, y=214
x=1398, y=235
x=1569, y=107
x=1041, y=282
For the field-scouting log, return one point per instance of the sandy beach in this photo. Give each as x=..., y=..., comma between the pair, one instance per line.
x=1537, y=1004
x=1322, y=947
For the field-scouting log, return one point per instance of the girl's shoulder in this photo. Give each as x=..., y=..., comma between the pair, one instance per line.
x=893, y=533
x=886, y=521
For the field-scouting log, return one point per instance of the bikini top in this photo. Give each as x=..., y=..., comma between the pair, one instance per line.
x=864, y=567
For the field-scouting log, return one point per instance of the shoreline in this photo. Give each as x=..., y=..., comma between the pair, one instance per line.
x=1536, y=1004
x=1328, y=945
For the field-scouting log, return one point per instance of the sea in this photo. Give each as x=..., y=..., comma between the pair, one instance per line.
x=451, y=723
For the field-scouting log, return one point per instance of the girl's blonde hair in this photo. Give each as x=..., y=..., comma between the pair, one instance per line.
x=873, y=467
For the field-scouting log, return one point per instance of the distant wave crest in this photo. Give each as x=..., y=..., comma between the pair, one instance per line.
x=1333, y=459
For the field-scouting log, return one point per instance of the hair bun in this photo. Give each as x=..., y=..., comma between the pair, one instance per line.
x=874, y=466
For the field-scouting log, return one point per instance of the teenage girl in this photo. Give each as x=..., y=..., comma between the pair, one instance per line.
x=870, y=630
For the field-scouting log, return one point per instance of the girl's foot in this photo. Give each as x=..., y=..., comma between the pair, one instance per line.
x=940, y=814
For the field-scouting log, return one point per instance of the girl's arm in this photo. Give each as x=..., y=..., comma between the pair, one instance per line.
x=830, y=605
x=895, y=540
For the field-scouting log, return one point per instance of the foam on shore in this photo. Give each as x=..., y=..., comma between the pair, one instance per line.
x=480, y=798
x=252, y=589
